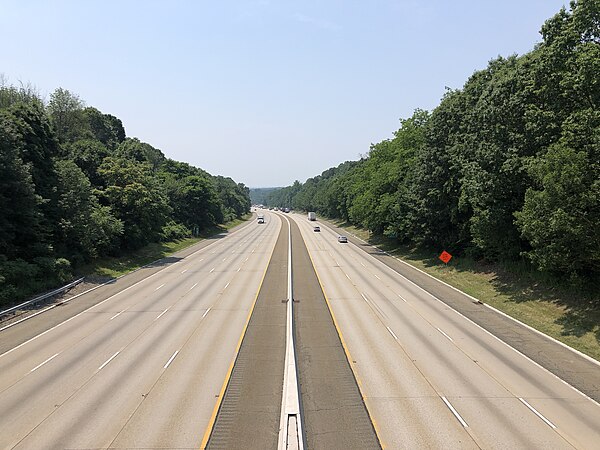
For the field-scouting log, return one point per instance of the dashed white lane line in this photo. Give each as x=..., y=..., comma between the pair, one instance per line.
x=118, y=314
x=376, y=276
x=224, y=259
x=455, y=412
x=392, y=333
x=159, y=287
x=246, y=259
x=403, y=299
x=362, y=264
x=160, y=315
x=452, y=340
x=226, y=286
x=535, y=411
x=195, y=284
x=47, y=361
x=212, y=270
x=107, y=361
x=171, y=359
x=184, y=271
x=206, y=312
x=347, y=276
x=239, y=268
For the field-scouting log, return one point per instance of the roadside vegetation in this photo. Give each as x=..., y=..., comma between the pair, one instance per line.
x=75, y=190
x=114, y=266
x=504, y=174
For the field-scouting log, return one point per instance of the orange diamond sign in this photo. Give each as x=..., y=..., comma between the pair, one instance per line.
x=445, y=257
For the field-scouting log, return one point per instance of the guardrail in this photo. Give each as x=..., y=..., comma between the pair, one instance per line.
x=41, y=297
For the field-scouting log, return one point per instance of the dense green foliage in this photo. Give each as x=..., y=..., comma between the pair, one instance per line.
x=506, y=168
x=74, y=188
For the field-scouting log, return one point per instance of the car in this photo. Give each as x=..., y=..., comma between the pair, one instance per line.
x=261, y=220
x=343, y=239
x=317, y=228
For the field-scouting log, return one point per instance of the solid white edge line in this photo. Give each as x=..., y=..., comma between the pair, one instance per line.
x=107, y=361
x=535, y=411
x=444, y=334
x=40, y=365
x=455, y=412
x=31, y=316
x=487, y=331
x=171, y=359
x=391, y=332
x=583, y=355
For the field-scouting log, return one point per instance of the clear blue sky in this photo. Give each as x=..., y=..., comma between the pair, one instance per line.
x=265, y=92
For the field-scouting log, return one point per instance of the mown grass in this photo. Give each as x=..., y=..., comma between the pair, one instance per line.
x=113, y=267
x=570, y=315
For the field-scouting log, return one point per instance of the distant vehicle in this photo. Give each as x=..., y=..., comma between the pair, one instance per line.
x=312, y=216
x=261, y=220
x=286, y=210
x=261, y=217
x=316, y=228
x=343, y=239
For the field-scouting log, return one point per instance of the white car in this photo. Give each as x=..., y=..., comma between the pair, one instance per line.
x=343, y=239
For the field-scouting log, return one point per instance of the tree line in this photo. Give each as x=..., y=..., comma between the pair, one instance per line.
x=505, y=169
x=74, y=187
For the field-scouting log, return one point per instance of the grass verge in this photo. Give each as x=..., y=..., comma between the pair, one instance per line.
x=113, y=267
x=570, y=316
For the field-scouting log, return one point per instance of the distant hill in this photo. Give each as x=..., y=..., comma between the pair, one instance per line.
x=258, y=195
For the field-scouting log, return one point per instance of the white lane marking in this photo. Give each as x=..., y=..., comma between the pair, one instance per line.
x=456, y=414
x=184, y=271
x=347, y=276
x=392, y=333
x=444, y=334
x=239, y=268
x=246, y=260
x=535, y=411
x=204, y=315
x=225, y=259
x=232, y=251
x=160, y=315
x=365, y=298
x=48, y=360
x=171, y=359
x=376, y=276
x=118, y=314
x=226, y=286
x=159, y=287
x=195, y=284
x=107, y=361
x=253, y=250
x=201, y=260
x=212, y=270
x=405, y=301
x=362, y=264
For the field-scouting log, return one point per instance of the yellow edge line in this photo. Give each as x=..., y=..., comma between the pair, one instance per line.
x=345, y=347
x=213, y=417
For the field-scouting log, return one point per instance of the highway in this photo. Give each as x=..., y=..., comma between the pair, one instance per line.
x=190, y=353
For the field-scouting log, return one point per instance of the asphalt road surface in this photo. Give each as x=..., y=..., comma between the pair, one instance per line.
x=189, y=351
